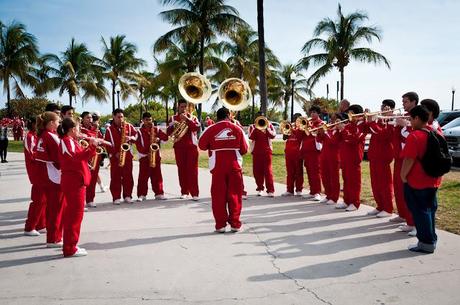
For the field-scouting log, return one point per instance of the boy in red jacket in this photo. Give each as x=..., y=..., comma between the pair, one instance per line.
x=294, y=166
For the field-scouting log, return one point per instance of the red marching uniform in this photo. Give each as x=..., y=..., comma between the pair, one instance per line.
x=186, y=154
x=226, y=143
x=145, y=170
x=91, y=188
x=36, y=216
x=294, y=166
x=380, y=155
x=120, y=177
x=261, y=149
x=75, y=176
x=330, y=165
x=351, y=151
x=310, y=151
x=48, y=169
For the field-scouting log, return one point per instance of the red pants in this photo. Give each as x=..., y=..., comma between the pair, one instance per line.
x=382, y=185
x=294, y=170
x=351, y=174
x=121, y=176
x=91, y=189
x=74, y=194
x=311, y=161
x=55, y=204
x=226, y=192
x=330, y=176
x=262, y=170
x=187, y=167
x=36, y=216
x=146, y=172
x=401, y=205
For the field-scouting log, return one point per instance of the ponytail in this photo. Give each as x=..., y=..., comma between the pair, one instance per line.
x=43, y=120
x=67, y=124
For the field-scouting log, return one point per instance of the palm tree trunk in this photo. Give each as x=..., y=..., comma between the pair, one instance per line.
x=167, y=112
x=253, y=108
x=113, y=95
x=70, y=99
x=286, y=106
x=198, y=110
x=262, y=80
x=341, y=82
x=8, y=97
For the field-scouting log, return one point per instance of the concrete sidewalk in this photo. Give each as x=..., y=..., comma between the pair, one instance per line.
x=164, y=252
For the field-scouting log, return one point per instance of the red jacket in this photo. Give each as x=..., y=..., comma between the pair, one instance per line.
x=380, y=144
x=309, y=142
x=190, y=138
x=113, y=135
x=143, y=140
x=293, y=142
x=352, y=142
x=400, y=135
x=92, y=132
x=261, y=141
x=331, y=145
x=47, y=156
x=74, y=160
x=30, y=141
x=226, y=143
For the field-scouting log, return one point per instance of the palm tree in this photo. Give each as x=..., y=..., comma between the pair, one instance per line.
x=344, y=37
x=18, y=52
x=201, y=20
x=142, y=81
x=75, y=70
x=119, y=64
x=262, y=79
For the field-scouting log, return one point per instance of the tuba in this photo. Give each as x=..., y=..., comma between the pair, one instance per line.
x=153, y=148
x=124, y=147
x=261, y=123
x=286, y=128
x=235, y=94
x=194, y=87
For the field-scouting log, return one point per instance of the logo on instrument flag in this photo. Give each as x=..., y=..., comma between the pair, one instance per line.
x=226, y=134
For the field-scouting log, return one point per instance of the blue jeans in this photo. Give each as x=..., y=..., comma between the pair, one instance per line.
x=423, y=205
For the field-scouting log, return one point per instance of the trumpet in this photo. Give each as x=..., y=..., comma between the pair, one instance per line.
x=286, y=128
x=261, y=123
x=98, y=141
x=303, y=122
x=235, y=94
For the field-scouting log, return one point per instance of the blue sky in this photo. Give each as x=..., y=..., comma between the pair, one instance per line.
x=420, y=38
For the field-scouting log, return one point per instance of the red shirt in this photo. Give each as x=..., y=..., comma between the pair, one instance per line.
x=380, y=144
x=226, y=143
x=415, y=149
x=312, y=143
x=92, y=132
x=113, y=135
x=143, y=140
x=74, y=161
x=190, y=138
x=261, y=141
x=30, y=141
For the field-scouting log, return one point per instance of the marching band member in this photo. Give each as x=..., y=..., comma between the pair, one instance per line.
x=380, y=155
x=119, y=134
x=261, y=149
x=148, y=167
x=293, y=159
x=351, y=150
x=96, y=121
x=226, y=144
x=186, y=151
x=75, y=176
x=36, y=216
x=310, y=151
x=48, y=169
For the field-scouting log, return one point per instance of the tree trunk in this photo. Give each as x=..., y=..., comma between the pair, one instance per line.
x=262, y=80
x=286, y=106
x=198, y=110
x=113, y=95
x=8, y=97
x=167, y=112
x=70, y=99
x=253, y=108
x=341, y=83
x=141, y=105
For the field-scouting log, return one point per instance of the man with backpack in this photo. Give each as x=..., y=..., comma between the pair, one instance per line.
x=424, y=150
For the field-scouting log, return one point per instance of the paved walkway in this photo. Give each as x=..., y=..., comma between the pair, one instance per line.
x=291, y=252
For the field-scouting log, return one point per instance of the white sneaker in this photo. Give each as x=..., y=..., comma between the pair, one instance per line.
x=351, y=208
x=102, y=188
x=160, y=197
x=80, y=252
x=221, y=230
x=331, y=202
x=195, y=198
x=271, y=195
x=307, y=196
x=298, y=193
x=324, y=200
x=341, y=205
x=54, y=245
x=397, y=219
x=413, y=233
x=117, y=202
x=236, y=230
x=245, y=197
x=141, y=198
x=85, y=209
x=42, y=230
x=406, y=228
x=383, y=214
x=128, y=200
x=32, y=233
x=287, y=194
x=317, y=197
x=90, y=205
x=183, y=196
x=259, y=193
x=373, y=212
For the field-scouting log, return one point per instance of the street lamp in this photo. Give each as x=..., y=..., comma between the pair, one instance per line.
x=293, y=76
x=453, y=97
x=118, y=95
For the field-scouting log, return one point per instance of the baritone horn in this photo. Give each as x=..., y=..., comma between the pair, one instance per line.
x=194, y=87
x=235, y=94
x=286, y=128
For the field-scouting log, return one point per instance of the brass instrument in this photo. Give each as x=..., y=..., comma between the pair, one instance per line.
x=180, y=128
x=99, y=151
x=286, y=128
x=261, y=123
x=302, y=123
x=153, y=148
x=330, y=125
x=124, y=147
x=370, y=114
x=83, y=143
x=194, y=87
x=235, y=94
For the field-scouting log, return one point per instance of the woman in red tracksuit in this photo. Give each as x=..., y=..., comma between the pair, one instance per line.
x=36, y=218
x=294, y=166
x=48, y=169
x=74, y=179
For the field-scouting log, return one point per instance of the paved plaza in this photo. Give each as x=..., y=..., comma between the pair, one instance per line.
x=291, y=251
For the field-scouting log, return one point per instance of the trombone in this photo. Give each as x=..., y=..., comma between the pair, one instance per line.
x=303, y=122
x=286, y=128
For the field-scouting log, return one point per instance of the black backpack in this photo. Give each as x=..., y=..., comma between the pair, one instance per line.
x=437, y=160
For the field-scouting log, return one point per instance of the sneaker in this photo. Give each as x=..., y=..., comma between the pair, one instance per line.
x=160, y=197
x=287, y=194
x=85, y=209
x=141, y=198
x=245, y=197
x=373, y=212
x=397, y=219
x=383, y=214
x=412, y=233
x=117, y=202
x=406, y=228
x=298, y=193
x=317, y=197
x=183, y=196
x=341, y=205
x=236, y=230
x=307, y=196
x=324, y=200
x=195, y=198
x=32, y=233
x=331, y=202
x=259, y=193
x=54, y=245
x=351, y=208
x=42, y=230
x=271, y=195
x=128, y=200
x=79, y=252
x=90, y=205
x=221, y=230
x=419, y=249
x=102, y=188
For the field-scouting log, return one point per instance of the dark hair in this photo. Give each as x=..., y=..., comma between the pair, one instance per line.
x=222, y=113
x=421, y=112
x=83, y=114
x=389, y=103
x=339, y=116
x=43, y=120
x=118, y=110
x=355, y=108
x=315, y=108
x=66, y=125
x=432, y=106
x=95, y=117
x=52, y=107
x=412, y=96
x=295, y=116
x=66, y=108
x=181, y=101
x=260, y=113
x=30, y=123
x=146, y=115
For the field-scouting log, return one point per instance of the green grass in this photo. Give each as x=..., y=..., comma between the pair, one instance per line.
x=448, y=215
